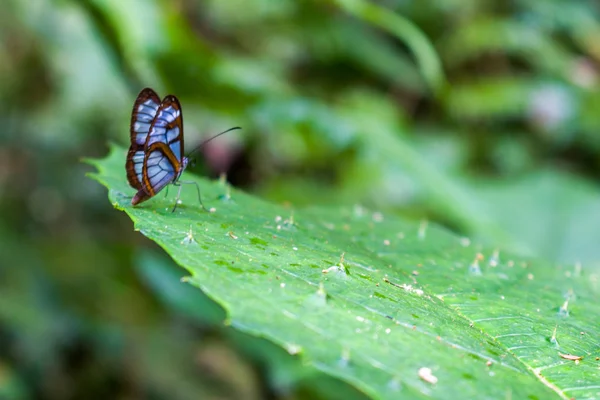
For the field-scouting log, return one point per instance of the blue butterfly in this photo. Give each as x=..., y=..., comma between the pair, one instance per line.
x=155, y=157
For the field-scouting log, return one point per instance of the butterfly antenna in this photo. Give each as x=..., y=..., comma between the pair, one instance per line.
x=211, y=138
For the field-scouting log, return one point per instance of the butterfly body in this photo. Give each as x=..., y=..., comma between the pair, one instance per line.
x=155, y=157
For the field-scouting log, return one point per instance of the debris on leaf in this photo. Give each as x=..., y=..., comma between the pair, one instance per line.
x=427, y=376
x=570, y=357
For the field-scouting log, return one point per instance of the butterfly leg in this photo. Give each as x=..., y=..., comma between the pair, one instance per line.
x=179, y=183
x=178, y=194
x=198, y=190
x=167, y=192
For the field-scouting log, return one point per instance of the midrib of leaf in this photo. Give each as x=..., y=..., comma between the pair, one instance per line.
x=328, y=334
x=527, y=367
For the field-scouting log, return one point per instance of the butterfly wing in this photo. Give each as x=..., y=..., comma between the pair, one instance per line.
x=163, y=157
x=144, y=110
x=167, y=126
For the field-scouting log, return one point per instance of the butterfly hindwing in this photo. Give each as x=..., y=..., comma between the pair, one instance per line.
x=144, y=111
x=160, y=168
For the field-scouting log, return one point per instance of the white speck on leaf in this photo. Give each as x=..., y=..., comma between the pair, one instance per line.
x=422, y=229
x=345, y=358
x=189, y=238
x=563, y=311
x=293, y=349
x=427, y=375
x=494, y=259
x=377, y=216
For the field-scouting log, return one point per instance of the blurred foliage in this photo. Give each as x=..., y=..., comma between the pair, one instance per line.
x=341, y=102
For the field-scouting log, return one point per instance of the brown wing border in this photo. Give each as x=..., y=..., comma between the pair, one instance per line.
x=144, y=95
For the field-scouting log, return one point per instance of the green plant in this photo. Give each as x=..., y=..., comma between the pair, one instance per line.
x=392, y=307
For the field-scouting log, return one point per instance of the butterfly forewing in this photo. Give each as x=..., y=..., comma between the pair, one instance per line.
x=167, y=126
x=144, y=111
x=163, y=150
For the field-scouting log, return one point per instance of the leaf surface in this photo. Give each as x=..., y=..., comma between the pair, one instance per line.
x=375, y=300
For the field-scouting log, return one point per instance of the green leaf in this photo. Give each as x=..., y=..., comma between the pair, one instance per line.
x=285, y=373
x=375, y=300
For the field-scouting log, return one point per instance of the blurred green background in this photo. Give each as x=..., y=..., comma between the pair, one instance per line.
x=480, y=115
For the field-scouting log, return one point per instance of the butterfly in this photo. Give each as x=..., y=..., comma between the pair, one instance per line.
x=155, y=157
